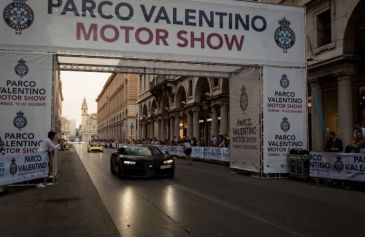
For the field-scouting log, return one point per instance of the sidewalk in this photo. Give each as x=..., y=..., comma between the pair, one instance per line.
x=71, y=207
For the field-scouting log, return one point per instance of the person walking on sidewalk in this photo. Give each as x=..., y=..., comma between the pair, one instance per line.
x=187, y=150
x=48, y=147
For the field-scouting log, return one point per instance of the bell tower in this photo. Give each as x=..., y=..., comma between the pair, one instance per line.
x=84, y=115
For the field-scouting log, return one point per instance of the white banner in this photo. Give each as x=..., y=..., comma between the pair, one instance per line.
x=204, y=153
x=15, y=168
x=343, y=166
x=244, y=103
x=25, y=104
x=285, y=115
x=229, y=32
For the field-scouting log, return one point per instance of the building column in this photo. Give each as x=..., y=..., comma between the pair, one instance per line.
x=152, y=129
x=196, y=131
x=141, y=127
x=345, y=115
x=162, y=129
x=171, y=127
x=177, y=126
x=145, y=124
x=190, y=124
x=139, y=130
x=224, y=119
x=317, y=115
x=214, y=126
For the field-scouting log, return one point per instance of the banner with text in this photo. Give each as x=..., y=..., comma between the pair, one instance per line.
x=244, y=103
x=229, y=32
x=344, y=166
x=15, y=168
x=285, y=115
x=25, y=108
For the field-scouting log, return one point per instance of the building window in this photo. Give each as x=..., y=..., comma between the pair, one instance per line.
x=190, y=87
x=324, y=28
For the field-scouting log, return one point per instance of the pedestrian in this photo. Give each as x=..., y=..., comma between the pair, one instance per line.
x=334, y=144
x=358, y=142
x=48, y=148
x=194, y=142
x=213, y=141
x=187, y=150
x=222, y=140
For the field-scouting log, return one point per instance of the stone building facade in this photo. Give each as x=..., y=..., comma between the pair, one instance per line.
x=117, y=109
x=170, y=106
x=65, y=129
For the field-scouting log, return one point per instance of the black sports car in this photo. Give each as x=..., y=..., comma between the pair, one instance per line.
x=141, y=161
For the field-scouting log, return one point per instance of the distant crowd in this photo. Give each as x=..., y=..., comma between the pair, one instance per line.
x=222, y=141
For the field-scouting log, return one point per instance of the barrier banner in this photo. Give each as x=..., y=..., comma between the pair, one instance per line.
x=343, y=166
x=225, y=154
x=197, y=152
x=15, y=168
x=205, y=153
x=25, y=108
x=284, y=115
x=245, y=100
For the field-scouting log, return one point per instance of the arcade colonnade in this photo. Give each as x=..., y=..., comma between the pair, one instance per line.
x=336, y=62
x=176, y=107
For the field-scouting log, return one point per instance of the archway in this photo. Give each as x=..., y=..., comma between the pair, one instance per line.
x=153, y=42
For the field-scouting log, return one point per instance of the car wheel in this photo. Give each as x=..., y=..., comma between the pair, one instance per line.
x=119, y=171
x=112, y=166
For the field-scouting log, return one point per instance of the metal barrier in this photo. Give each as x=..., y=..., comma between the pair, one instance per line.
x=298, y=166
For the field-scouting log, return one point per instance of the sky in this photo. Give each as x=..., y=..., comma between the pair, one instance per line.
x=79, y=85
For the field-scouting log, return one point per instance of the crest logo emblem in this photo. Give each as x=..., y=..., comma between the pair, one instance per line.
x=284, y=81
x=284, y=36
x=285, y=125
x=339, y=164
x=20, y=121
x=13, y=167
x=18, y=16
x=21, y=69
x=243, y=99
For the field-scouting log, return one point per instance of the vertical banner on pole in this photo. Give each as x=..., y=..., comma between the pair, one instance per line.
x=25, y=108
x=284, y=114
x=245, y=120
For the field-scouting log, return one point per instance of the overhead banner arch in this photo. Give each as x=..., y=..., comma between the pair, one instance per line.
x=197, y=31
x=209, y=38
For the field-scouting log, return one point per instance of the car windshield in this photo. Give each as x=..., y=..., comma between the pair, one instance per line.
x=142, y=151
x=94, y=144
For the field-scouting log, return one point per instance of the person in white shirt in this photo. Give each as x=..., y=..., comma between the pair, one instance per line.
x=48, y=147
x=187, y=150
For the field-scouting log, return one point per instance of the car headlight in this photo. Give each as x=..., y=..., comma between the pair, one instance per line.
x=128, y=162
x=167, y=162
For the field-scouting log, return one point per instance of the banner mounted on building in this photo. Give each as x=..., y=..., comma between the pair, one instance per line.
x=25, y=108
x=245, y=120
x=229, y=32
x=284, y=114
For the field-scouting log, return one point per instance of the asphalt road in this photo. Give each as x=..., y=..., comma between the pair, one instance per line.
x=211, y=200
